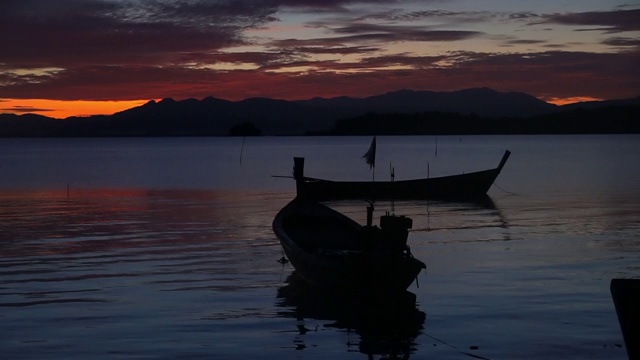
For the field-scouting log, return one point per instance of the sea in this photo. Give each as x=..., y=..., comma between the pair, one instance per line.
x=162, y=248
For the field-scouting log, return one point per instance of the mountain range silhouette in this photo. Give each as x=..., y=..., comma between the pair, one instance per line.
x=479, y=110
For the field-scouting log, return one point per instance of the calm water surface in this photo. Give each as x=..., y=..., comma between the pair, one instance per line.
x=163, y=249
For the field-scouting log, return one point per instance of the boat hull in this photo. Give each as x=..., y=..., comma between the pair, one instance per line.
x=355, y=273
x=465, y=186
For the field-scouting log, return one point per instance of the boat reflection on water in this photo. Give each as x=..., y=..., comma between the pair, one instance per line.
x=385, y=325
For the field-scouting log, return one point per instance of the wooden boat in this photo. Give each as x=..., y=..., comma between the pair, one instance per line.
x=459, y=187
x=330, y=250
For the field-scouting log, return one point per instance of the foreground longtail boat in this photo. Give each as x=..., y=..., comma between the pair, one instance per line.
x=330, y=250
x=457, y=187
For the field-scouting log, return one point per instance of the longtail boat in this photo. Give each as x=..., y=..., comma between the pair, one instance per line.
x=330, y=250
x=467, y=186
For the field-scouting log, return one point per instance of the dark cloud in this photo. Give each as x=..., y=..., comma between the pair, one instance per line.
x=555, y=46
x=42, y=33
x=449, y=17
x=357, y=33
x=340, y=50
x=71, y=33
x=416, y=62
x=611, y=21
x=402, y=33
x=524, y=42
x=252, y=59
x=25, y=109
x=550, y=74
x=399, y=35
x=405, y=16
x=333, y=5
x=622, y=41
x=526, y=15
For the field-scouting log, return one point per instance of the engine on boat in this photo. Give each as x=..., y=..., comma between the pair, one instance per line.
x=391, y=237
x=395, y=231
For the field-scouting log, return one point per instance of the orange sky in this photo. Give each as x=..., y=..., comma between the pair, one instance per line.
x=570, y=100
x=60, y=109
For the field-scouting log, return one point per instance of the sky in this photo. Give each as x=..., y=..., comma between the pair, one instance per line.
x=82, y=57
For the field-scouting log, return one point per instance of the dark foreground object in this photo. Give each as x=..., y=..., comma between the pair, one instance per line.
x=458, y=187
x=626, y=297
x=330, y=250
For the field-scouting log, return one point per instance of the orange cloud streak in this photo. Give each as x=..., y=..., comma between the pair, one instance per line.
x=570, y=100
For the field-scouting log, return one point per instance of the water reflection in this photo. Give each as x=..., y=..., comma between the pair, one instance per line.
x=60, y=248
x=480, y=220
x=386, y=326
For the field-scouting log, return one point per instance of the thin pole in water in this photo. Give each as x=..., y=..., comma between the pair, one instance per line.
x=242, y=148
x=392, y=170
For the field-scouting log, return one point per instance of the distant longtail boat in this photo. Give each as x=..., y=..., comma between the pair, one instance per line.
x=467, y=186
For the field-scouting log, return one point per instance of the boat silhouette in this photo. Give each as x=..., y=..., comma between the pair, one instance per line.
x=453, y=187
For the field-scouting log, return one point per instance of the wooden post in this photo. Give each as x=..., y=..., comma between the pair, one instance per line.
x=298, y=175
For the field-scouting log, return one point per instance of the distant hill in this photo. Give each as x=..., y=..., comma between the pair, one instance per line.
x=480, y=108
x=623, y=119
x=482, y=101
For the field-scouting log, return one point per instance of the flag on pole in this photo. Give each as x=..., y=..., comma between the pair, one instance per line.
x=370, y=156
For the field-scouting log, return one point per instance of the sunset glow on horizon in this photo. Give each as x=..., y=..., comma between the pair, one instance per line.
x=61, y=109
x=571, y=100
x=63, y=58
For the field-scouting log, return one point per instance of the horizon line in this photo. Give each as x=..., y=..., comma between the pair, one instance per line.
x=64, y=109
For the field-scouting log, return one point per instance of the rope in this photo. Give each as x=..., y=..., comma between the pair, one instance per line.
x=457, y=348
x=503, y=190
